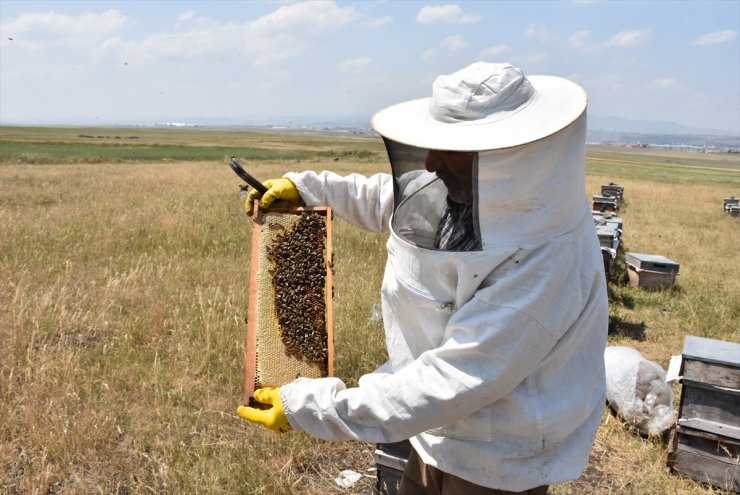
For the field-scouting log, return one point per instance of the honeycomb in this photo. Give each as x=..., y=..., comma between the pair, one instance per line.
x=289, y=323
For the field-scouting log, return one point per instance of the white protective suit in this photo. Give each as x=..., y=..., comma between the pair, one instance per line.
x=496, y=356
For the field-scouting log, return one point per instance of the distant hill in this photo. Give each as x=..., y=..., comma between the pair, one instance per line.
x=621, y=124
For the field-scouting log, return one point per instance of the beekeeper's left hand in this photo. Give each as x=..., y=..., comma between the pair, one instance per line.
x=279, y=191
x=268, y=412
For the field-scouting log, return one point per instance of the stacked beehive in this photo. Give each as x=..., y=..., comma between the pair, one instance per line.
x=609, y=226
x=706, y=443
x=732, y=206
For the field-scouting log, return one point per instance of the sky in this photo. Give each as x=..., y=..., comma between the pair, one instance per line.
x=147, y=61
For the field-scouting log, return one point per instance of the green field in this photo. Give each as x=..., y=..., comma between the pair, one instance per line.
x=665, y=166
x=115, y=145
x=123, y=280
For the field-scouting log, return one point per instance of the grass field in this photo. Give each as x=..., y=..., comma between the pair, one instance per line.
x=130, y=144
x=123, y=283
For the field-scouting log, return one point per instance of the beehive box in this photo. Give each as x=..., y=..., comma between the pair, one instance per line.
x=710, y=371
x=608, y=236
x=390, y=462
x=705, y=457
x=612, y=189
x=616, y=223
x=605, y=203
x=651, y=271
x=706, y=443
x=289, y=318
x=608, y=256
x=607, y=218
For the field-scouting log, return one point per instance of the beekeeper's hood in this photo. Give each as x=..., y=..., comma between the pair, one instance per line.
x=527, y=139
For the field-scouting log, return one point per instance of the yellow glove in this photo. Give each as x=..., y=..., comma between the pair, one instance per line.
x=269, y=411
x=277, y=190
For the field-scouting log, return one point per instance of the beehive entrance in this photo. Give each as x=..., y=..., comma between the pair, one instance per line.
x=289, y=327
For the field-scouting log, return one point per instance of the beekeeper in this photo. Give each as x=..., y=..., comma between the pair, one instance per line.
x=494, y=296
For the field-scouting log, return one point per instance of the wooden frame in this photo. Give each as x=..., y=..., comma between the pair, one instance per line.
x=250, y=347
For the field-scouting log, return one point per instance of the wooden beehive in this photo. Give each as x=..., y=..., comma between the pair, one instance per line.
x=608, y=236
x=608, y=256
x=706, y=443
x=612, y=189
x=605, y=203
x=390, y=462
x=289, y=319
x=651, y=271
x=607, y=218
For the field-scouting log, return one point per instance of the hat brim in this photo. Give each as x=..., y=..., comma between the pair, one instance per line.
x=557, y=103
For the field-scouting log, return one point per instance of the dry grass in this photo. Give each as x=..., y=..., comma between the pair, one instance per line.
x=122, y=300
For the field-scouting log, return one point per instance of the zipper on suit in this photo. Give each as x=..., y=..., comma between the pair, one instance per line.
x=438, y=301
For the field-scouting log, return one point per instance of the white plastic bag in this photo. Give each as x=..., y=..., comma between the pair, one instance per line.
x=636, y=388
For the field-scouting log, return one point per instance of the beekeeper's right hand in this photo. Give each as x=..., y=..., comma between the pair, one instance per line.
x=268, y=410
x=282, y=190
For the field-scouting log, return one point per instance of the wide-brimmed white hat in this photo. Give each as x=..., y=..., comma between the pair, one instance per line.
x=484, y=106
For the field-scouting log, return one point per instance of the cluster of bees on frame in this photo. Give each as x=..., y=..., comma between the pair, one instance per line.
x=299, y=278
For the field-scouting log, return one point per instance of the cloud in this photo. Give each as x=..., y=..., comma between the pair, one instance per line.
x=354, y=65
x=39, y=29
x=454, y=43
x=493, y=51
x=582, y=40
x=450, y=13
x=312, y=18
x=114, y=43
x=185, y=16
x=662, y=84
x=715, y=38
x=284, y=33
x=193, y=42
x=450, y=44
x=378, y=22
x=537, y=31
x=628, y=38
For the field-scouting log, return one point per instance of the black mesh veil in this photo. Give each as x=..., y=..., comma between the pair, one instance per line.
x=420, y=196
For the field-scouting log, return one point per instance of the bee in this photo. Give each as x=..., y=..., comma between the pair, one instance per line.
x=299, y=280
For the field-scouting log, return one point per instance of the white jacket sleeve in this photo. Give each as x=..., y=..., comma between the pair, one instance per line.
x=366, y=202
